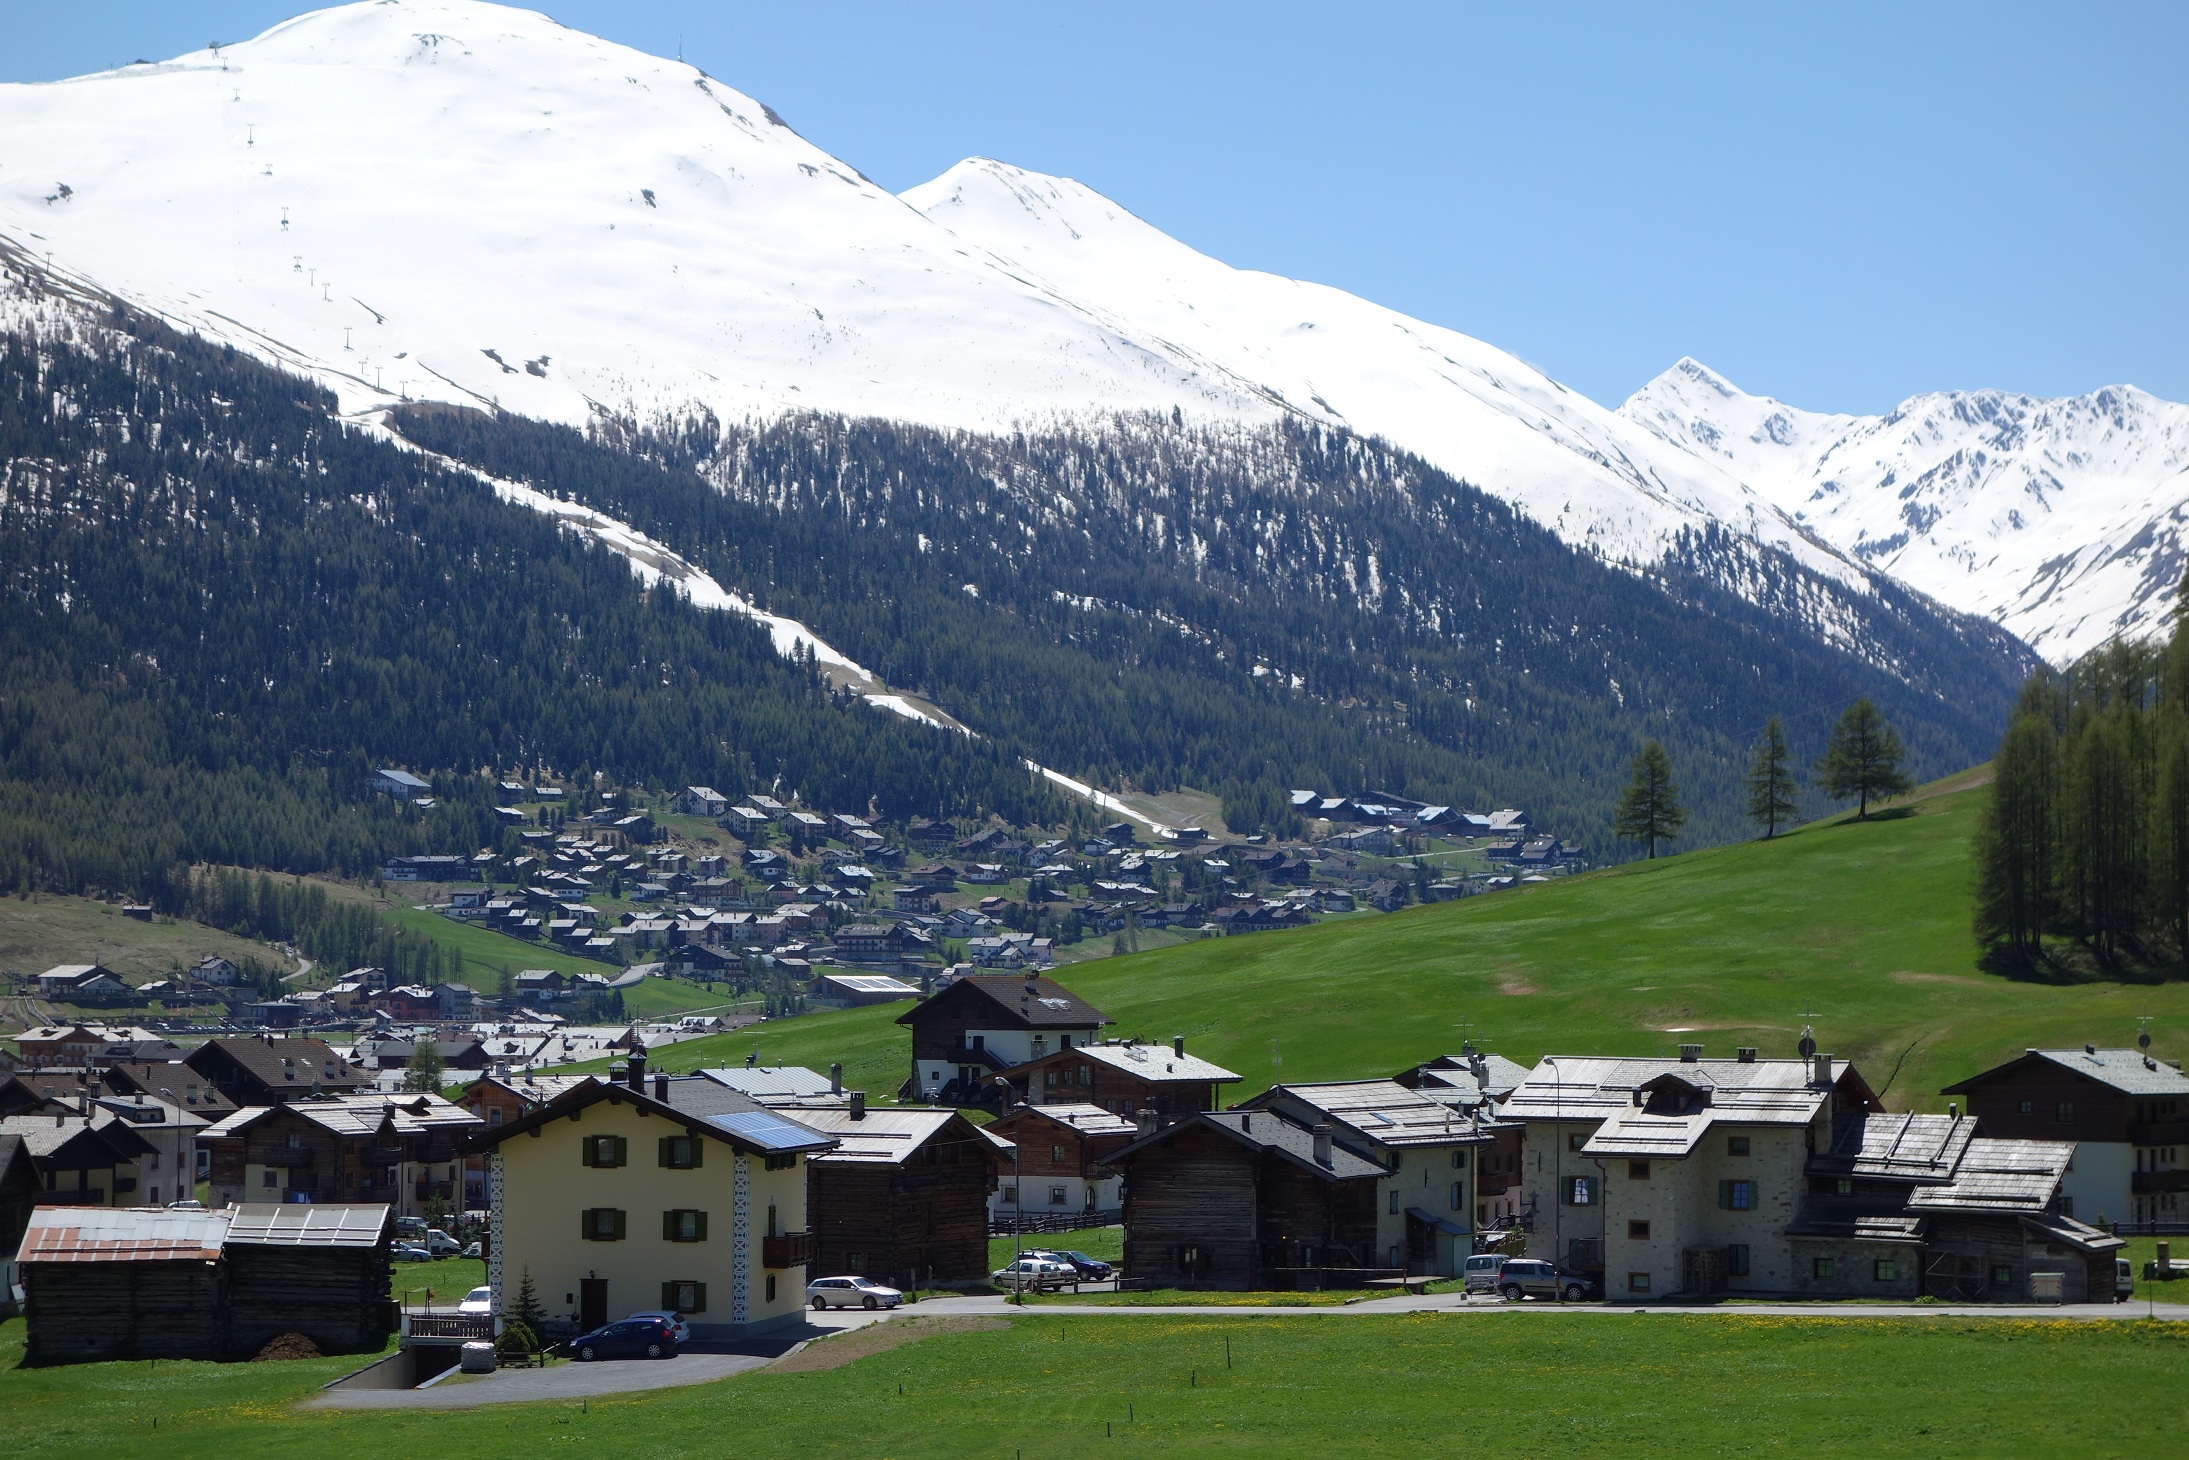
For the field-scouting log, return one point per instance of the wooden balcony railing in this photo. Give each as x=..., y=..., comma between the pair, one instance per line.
x=789, y=1249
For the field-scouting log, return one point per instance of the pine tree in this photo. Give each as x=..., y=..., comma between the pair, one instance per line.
x=2015, y=899
x=1863, y=759
x=423, y=1074
x=1650, y=809
x=1772, y=789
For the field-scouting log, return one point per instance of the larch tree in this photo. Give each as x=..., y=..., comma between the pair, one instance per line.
x=1773, y=793
x=1649, y=808
x=1863, y=759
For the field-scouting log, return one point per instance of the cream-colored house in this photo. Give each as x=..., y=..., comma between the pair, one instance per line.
x=620, y=1198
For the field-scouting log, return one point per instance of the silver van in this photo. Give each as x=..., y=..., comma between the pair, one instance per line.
x=1482, y=1269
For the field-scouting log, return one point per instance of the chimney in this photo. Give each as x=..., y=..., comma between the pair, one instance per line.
x=1146, y=1122
x=1178, y=1046
x=836, y=1077
x=858, y=1105
x=661, y=1086
x=1322, y=1145
x=635, y=1068
x=1953, y=1110
x=1821, y=1069
x=1745, y=1054
x=1690, y=1054
x=1246, y=1123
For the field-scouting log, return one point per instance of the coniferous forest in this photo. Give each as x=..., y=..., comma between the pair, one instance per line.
x=226, y=607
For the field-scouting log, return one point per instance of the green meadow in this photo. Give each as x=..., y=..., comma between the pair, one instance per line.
x=1860, y=929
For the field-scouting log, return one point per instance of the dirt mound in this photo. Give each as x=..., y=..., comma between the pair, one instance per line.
x=858, y=1343
x=288, y=1346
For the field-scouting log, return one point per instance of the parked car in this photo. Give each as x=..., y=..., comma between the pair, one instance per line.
x=440, y=1244
x=473, y=1249
x=1090, y=1269
x=409, y=1252
x=410, y=1227
x=851, y=1292
x=186, y=1206
x=1481, y=1270
x=630, y=1338
x=1531, y=1277
x=478, y=1300
x=1038, y=1274
x=2124, y=1280
x=678, y=1328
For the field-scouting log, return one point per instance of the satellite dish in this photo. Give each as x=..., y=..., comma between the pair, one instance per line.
x=1808, y=1045
x=2143, y=1040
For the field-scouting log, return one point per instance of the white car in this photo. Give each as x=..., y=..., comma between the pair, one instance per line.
x=851, y=1292
x=478, y=1300
x=1040, y=1274
x=440, y=1244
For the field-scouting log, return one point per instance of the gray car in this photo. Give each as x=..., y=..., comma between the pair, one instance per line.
x=1481, y=1270
x=851, y=1292
x=1531, y=1277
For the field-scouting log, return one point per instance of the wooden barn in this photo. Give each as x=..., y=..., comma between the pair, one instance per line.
x=321, y=1271
x=1246, y=1199
x=100, y=1283
x=143, y=1283
x=902, y=1198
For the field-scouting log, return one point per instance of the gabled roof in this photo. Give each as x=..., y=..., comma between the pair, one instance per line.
x=880, y=1137
x=2129, y=1071
x=281, y=1064
x=1904, y=1146
x=356, y=1116
x=1088, y=1120
x=108, y=1234
x=1472, y=1078
x=698, y=1105
x=1740, y=1092
x=782, y=1084
x=291, y=1224
x=1015, y=1003
x=46, y=1136
x=1156, y=1063
x=1265, y=1131
x=1382, y=1111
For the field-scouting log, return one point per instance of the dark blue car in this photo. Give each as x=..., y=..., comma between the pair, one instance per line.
x=632, y=1338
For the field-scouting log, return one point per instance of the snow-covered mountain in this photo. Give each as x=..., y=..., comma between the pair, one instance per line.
x=464, y=202
x=2065, y=520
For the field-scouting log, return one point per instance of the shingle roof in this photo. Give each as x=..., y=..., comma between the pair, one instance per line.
x=358, y=1115
x=782, y=1084
x=1035, y=1003
x=1907, y=1146
x=1851, y=1222
x=1154, y=1062
x=43, y=1135
x=1265, y=1130
x=1088, y=1120
x=879, y=1137
x=288, y=1064
x=2000, y=1176
x=2129, y=1071
x=1749, y=1092
x=1383, y=1111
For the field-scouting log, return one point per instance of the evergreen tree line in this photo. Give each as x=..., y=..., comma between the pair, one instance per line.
x=2086, y=836
x=224, y=610
x=336, y=933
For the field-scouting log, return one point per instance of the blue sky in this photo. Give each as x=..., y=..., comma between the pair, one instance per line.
x=1840, y=205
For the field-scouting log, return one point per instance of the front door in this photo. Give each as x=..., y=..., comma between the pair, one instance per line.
x=592, y=1303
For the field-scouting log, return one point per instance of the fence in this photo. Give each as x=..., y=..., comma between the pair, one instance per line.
x=1004, y=1224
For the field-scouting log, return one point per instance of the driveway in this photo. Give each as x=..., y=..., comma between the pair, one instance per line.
x=699, y=1363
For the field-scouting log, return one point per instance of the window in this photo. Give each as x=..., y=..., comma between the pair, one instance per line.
x=2066, y=1111
x=771, y=1287
x=1737, y=1196
x=2002, y=1276
x=1884, y=1270
x=1056, y=1155
x=1064, y=1041
x=1736, y=1145
x=1010, y=1195
x=603, y=1151
x=1820, y=1267
x=1736, y=1260
x=1459, y=1160
x=269, y=1178
x=679, y=1296
x=2029, y=1107
x=683, y=1225
x=153, y=1161
x=780, y=1163
x=1637, y=1171
x=1575, y=1140
x=1058, y=1196
x=296, y=1139
x=601, y=1224
x=1581, y=1191
x=1086, y=1076
x=680, y=1153
x=1394, y=1202
x=1843, y=1187
x=980, y=1041
x=1637, y=1231
x=494, y=1117
x=1459, y=1196
x=1637, y=1282
x=2067, y=1205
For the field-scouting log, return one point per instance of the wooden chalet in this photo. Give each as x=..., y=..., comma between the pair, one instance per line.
x=87, y=1159
x=904, y=1196
x=1246, y=1199
x=401, y=1150
x=1124, y=1077
x=1061, y=1167
x=263, y=1070
x=966, y=1034
x=19, y=1188
x=147, y=1283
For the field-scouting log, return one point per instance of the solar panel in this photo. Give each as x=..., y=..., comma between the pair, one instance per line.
x=771, y=1132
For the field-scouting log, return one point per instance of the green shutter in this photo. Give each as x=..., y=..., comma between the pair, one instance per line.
x=585, y=1151
x=668, y=1293
x=699, y=1290
x=622, y=1151
x=668, y=1230
x=662, y=1148
x=585, y=1224
x=698, y=1145
x=699, y=1226
x=619, y=1225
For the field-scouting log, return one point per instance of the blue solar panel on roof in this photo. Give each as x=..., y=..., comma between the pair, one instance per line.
x=763, y=1129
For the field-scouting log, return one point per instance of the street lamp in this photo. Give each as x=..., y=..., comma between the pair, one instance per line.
x=1558, y=1170
x=1018, y=1205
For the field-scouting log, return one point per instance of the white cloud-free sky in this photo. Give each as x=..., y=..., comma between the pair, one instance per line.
x=1836, y=205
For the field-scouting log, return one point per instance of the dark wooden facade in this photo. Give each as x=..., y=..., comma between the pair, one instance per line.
x=92, y=1312
x=322, y=1165
x=2094, y=1110
x=905, y=1222
x=940, y=1024
x=263, y=1070
x=1204, y=1209
x=335, y=1296
x=1048, y=1146
x=1069, y=1076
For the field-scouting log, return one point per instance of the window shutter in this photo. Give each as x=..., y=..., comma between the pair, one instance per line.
x=586, y=1150
x=699, y=1226
x=622, y=1151
x=585, y=1225
x=662, y=1149
x=620, y=1220
x=699, y=1290
x=668, y=1234
x=1725, y=1195
x=698, y=1145
x=668, y=1293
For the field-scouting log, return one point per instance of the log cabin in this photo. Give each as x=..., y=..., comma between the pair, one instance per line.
x=1125, y=1077
x=1061, y=1166
x=262, y=1070
x=903, y=1198
x=966, y=1034
x=403, y=1150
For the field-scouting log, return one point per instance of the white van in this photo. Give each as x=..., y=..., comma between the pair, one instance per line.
x=1481, y=1271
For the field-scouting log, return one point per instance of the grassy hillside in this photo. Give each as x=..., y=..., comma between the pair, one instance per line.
x=44, y=929
x=1864, y=925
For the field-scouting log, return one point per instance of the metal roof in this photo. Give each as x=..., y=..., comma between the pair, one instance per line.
x=2130, y=1071
x=2000, y=1176
x=879, y=1137
x=1905, y=1146
x=1382, y=1111
x=1154, y=1062
x=1747, y=1092
x=767, y=1085
x=1089, y=1120
x=109, y=1234
x=305, y=1224
x=358, y=1115
x=769, y=1131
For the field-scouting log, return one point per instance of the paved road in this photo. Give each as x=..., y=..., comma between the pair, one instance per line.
x=1460, y=1303
x=700, y=1364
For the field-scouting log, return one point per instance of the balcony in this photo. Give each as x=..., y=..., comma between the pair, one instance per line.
x=2159, y=1133
x=2152, y=1183
x=789, y=1249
